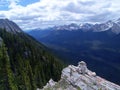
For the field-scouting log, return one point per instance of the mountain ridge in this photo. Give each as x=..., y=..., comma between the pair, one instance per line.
x=114, y=25
x=24, y=61
x=9, y=26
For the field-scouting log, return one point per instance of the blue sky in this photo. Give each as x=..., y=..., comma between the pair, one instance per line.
x=29, y=14
x=4, y=4
x=26, y=2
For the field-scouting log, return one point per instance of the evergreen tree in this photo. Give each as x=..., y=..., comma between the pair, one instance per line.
x=7, y=80
x=25, y=64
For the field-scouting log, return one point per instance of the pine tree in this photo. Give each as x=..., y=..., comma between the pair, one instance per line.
x=26, y=64
x=7, y=78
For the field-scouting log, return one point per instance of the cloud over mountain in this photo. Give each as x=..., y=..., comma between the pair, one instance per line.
x=42, y=13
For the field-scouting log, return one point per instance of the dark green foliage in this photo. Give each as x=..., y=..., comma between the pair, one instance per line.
x=27, y=65
x=100, y=50
x=6, y=75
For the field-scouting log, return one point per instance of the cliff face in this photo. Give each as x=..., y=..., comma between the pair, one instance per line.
x=80, y=78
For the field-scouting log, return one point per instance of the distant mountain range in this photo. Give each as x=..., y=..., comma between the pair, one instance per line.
x=113, y=25
x=96, y=44
x=25, y=64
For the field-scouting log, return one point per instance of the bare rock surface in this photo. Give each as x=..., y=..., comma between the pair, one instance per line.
x=9, y=26
x=80, y=78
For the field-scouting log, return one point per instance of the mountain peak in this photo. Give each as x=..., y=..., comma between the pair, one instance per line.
x=113, y=25
x=9, y=26
x=80, y=77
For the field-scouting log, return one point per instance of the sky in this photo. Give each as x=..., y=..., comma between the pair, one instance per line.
x=30, y=14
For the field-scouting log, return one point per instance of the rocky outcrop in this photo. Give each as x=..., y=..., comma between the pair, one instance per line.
x=80, y=78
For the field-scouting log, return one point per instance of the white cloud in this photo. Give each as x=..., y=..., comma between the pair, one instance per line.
x=52, y=12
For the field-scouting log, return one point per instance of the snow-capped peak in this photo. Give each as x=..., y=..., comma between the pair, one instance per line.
x=85, y=26
x=109, y=23
x=113, y=25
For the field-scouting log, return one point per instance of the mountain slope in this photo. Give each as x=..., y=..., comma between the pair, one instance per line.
x=9, y=26
x=6, y=75
x=99, y=47
x=28, y=63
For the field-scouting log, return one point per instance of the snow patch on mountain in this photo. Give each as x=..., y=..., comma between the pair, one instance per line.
x=114, y=26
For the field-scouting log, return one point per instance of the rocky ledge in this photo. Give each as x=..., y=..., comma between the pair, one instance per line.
x=80, y=78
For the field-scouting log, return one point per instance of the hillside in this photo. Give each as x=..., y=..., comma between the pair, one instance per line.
x=25, y=64
x=97, y=44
